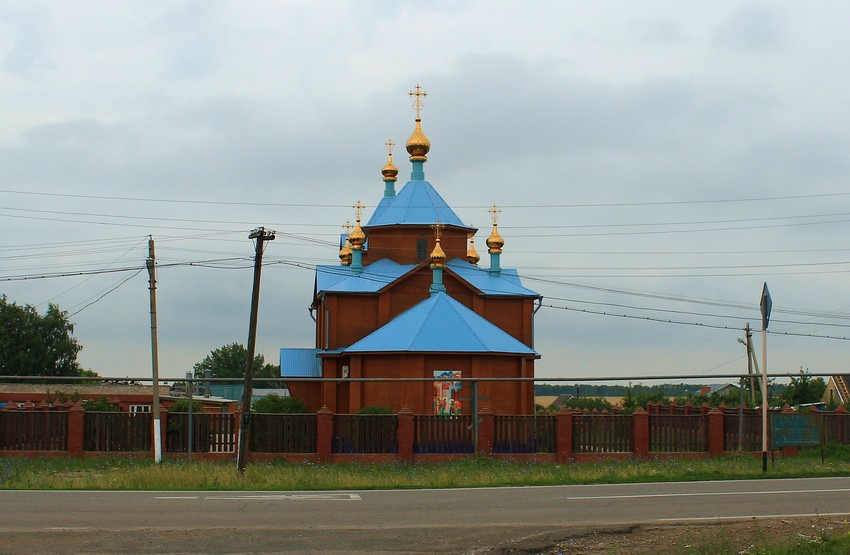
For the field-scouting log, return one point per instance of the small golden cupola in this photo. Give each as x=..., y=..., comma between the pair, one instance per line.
x=438, y=261
x=357, y=238
x=389, y=172
x=472, y=255
x=418, y=144
x=345, y=251
x=438, y=256
x=495, y=243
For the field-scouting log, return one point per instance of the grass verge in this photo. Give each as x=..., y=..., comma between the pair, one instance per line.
x=117, y=473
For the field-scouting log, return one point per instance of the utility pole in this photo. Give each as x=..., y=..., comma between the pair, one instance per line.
x=750, y=361
x=261, y=235
x=765, y=305
x=157, y=436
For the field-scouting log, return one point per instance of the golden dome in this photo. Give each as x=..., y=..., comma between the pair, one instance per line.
x=357, y=237
x=345, y=253
x=495, y=241
x=418, y=144
x=390, y=171
x=471, y=254
x=438, y=257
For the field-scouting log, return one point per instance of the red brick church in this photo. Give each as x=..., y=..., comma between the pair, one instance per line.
x=409, y=300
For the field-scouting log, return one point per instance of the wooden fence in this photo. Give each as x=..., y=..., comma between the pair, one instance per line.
x=34, y=431
x=602, y=433
x=408, y=437
x=117, y=431
x=443, y=434
x=365, y=434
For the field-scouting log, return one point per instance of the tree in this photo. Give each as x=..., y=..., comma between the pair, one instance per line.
x=182, y=405
x=803, y=389
x=276, y=404
x=36, y=345
x=229, y=362
x=99, y=404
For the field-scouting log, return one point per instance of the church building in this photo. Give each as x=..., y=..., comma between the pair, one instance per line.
x=409, y=300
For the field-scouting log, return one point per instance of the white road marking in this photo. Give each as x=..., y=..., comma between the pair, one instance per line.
x=276, y=496
x=706, y=494
x=748, y=517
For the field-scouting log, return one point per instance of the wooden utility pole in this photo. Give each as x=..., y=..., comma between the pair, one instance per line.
x=157, y=430
x=261, y=235
x=750, y=361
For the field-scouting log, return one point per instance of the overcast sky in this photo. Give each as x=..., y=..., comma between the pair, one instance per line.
x=656, y=160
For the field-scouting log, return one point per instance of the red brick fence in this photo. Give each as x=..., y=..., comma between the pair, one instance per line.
x=327, y=437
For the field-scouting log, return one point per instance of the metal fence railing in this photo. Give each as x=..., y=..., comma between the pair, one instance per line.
x=116, y=431
x=283, y=433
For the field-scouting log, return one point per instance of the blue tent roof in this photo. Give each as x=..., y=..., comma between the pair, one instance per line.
x=506, y=282
x=373, y=278
x=440, y=324
x=418, y=203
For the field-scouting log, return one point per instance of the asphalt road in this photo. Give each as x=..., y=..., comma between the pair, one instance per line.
x=407, y=521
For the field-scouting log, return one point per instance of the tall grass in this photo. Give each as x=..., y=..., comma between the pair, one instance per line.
x=117, y=473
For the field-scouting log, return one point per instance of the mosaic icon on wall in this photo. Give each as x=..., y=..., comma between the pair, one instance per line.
x=447, y=392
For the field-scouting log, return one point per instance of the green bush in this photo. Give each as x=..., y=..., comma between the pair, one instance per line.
x=276, y=404
x=99, y=404
x=375, y=409
x=183, y=406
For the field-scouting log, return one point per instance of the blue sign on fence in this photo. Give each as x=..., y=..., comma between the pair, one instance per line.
x=794, y=430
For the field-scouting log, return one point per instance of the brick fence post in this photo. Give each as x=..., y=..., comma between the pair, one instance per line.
x=715, y=431
x=76, y=423
x=564, y=434
x=405, y=435
x=640, y=433
x=324, y=433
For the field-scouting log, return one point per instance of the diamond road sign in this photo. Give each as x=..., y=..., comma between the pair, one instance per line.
x=766, y=305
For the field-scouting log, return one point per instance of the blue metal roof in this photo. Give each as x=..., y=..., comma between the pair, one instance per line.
x=300, y=363
x=440, y=324
x=373, y=278
x=418, y=203
x=506, y=282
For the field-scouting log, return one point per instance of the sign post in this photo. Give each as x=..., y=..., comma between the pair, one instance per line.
x=766, y=304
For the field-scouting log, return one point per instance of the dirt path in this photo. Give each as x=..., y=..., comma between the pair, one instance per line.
x=703, y=537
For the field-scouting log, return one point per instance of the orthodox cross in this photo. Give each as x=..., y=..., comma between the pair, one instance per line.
x=358, y=208
x=390, y=144
x=417, y=103
x=438, y=229
x=347, y=227
x=494, y=211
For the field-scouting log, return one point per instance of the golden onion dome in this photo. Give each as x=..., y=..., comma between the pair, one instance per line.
x=418, y=144
x=345, y=253
x=390, y=171
x=438, y=257
x=357, y=237
x=495, y=241
x=471, y=254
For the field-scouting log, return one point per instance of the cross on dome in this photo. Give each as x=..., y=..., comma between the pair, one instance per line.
x=494, y=211
x=418, y=95
x=437, y=226
x=347, y=227
x=358, y=209
x=390, y=144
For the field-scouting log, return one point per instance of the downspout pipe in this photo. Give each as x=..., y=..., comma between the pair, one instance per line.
x=539, y=306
